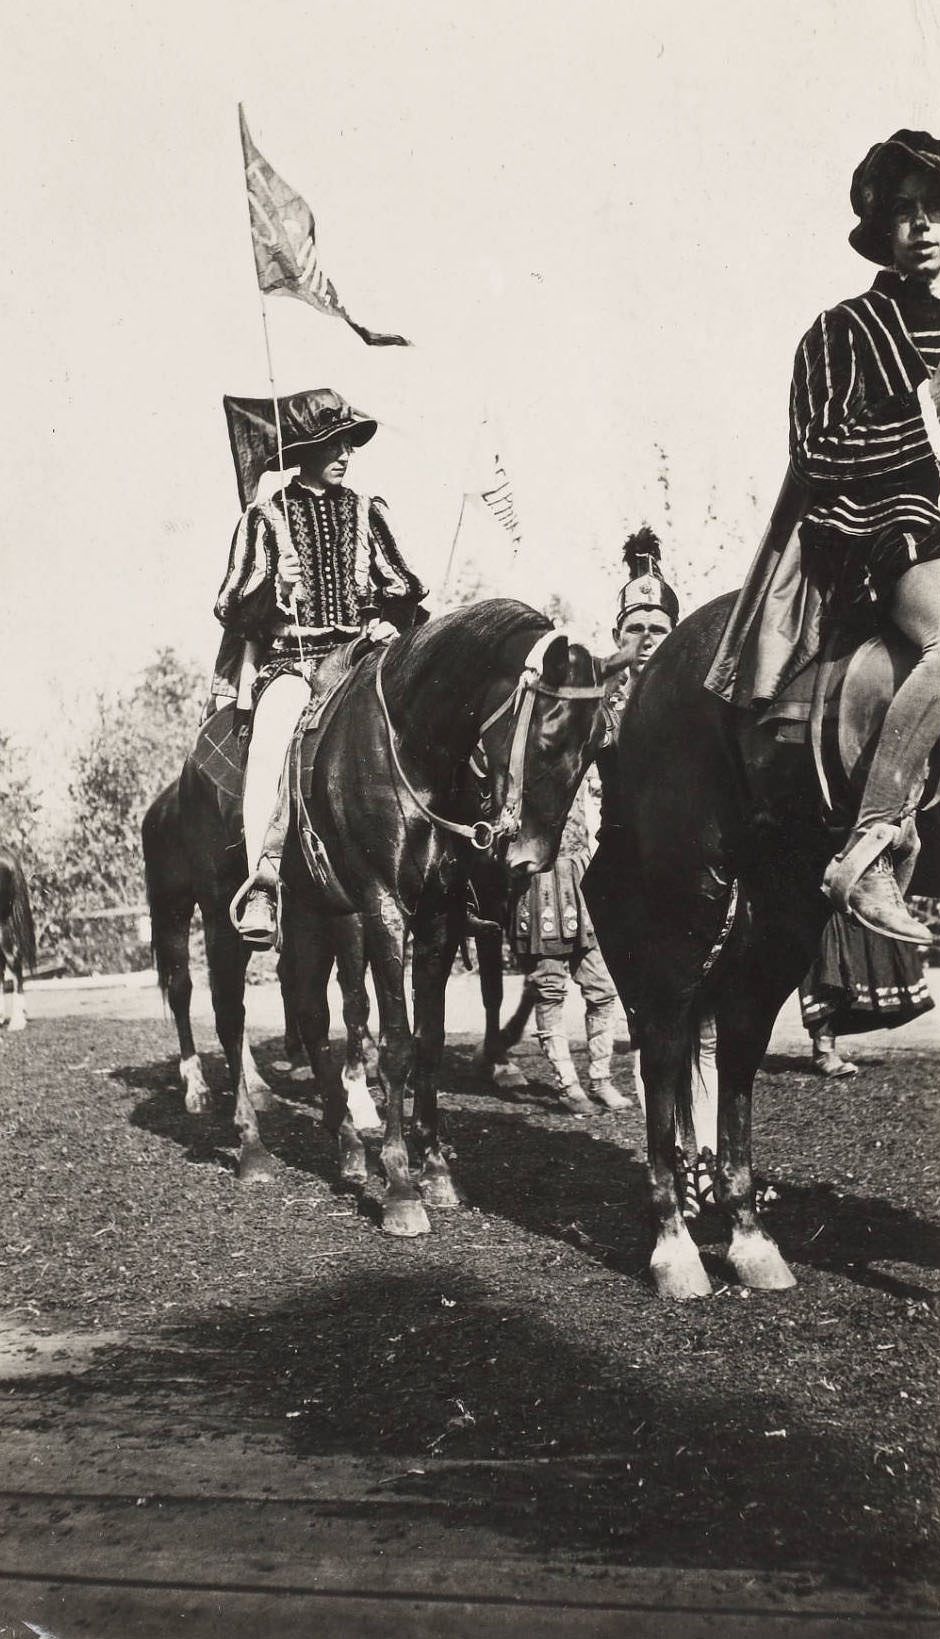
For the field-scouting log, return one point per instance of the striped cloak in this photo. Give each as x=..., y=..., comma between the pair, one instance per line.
x=864, y=453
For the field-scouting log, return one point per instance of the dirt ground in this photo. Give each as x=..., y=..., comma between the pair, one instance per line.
x=234, y=1411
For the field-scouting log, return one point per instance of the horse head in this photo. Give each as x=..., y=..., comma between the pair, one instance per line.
x=538, y=757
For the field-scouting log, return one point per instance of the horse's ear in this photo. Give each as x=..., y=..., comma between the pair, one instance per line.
x=555, y=661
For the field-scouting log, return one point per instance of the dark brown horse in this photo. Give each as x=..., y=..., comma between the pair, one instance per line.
x=17, y=936
x=390, y=801
x=706, y=898
x=194, y=854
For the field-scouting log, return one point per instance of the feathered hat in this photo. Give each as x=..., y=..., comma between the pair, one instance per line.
x=875, y=179
x=646, y=587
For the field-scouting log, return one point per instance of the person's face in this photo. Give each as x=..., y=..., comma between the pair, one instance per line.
x=639, y=635
x=325, y=464
x=914, y=224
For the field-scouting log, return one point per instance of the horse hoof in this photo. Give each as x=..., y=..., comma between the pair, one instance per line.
x=405, y=1218
x=677, y=1270
x=197, y=1101
x=255, y=1165
x=439, y=1190
x=508, y=1077
x=757, y=1262
x=300, y=1072
x=16, y=1024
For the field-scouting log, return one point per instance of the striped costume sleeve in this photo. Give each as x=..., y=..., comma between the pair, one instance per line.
x=247, y=596
x=388, y=572
x=855, y=411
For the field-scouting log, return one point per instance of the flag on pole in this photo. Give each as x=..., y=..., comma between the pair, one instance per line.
x=283, y=234
x=499, y=495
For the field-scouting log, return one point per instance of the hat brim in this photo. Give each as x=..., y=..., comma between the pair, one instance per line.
x=356, y=433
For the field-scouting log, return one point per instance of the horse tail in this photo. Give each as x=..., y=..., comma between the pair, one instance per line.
x=20, y=919
x=168, y=894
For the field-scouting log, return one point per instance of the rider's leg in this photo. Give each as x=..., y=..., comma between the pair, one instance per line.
x=276, y=714
x=910, y=731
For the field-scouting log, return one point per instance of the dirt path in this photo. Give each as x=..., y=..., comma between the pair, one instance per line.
x=230, y=1413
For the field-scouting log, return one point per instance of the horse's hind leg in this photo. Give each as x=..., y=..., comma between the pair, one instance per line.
x=434, y=947
x=18, y=1004
x=295, y=1062
x=492, y=1057
x=170, y=931
x=228, y=959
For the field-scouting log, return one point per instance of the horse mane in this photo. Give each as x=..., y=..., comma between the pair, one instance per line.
x=458, y=650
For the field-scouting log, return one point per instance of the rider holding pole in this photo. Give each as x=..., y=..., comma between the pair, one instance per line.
x=309, y=568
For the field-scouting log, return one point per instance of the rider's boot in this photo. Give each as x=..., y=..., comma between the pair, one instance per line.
x=861, y=881
x=256, y=908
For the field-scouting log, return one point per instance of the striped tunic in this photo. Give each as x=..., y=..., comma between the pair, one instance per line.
x=865, y=438
x=351, y=567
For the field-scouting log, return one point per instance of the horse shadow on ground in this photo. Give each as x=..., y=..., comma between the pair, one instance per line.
x=581, y=1182
x=513, y=1426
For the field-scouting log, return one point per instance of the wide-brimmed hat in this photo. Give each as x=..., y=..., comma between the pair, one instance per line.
x=647, y=587
x=873, y=182
x=307, y=419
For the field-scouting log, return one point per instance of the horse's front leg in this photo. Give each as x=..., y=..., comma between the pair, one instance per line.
x=665, y=1063
x=309, y=945
x=434, y=946
x=227, y=960
x=385, y=933
x=349, y=947
x=744, y=1018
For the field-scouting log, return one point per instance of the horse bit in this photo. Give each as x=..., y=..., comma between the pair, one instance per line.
x=484, y=834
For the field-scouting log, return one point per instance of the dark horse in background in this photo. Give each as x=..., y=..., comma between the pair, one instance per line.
x=706, y=898
x=389, y=797
x=17, y=937
x=194, y=854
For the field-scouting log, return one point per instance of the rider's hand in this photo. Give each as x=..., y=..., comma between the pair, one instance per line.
x=933, y=385
x=288, y=568
x=380, y=631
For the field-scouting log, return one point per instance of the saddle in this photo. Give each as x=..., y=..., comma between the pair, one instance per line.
x=332, y=683
x=837, y=704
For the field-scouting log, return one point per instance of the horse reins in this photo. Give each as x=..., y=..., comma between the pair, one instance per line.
x=484, y=833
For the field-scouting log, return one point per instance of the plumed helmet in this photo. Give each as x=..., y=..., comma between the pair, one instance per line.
x=646, y=587
x=875, y=179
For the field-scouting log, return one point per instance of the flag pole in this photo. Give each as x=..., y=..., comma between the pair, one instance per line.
x=277, y=411
x=453, y=544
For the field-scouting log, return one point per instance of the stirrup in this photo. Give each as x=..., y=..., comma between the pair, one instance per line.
x=843, y=872
x=262, y=883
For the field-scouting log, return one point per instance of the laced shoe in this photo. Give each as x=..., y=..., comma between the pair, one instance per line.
x=875, y=901
x=604, y=1092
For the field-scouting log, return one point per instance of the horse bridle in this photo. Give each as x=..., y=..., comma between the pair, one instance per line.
x=484, y=834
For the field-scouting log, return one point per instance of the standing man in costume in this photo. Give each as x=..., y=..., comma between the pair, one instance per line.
x=856, y=533
x=552, y=933
x=308, y=570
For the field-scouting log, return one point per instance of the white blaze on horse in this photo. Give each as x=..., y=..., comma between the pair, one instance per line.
x=17, y=937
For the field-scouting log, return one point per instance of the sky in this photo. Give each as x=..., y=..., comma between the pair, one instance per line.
x=604, y=225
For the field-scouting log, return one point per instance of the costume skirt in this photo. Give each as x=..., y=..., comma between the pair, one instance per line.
x=862, y=981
